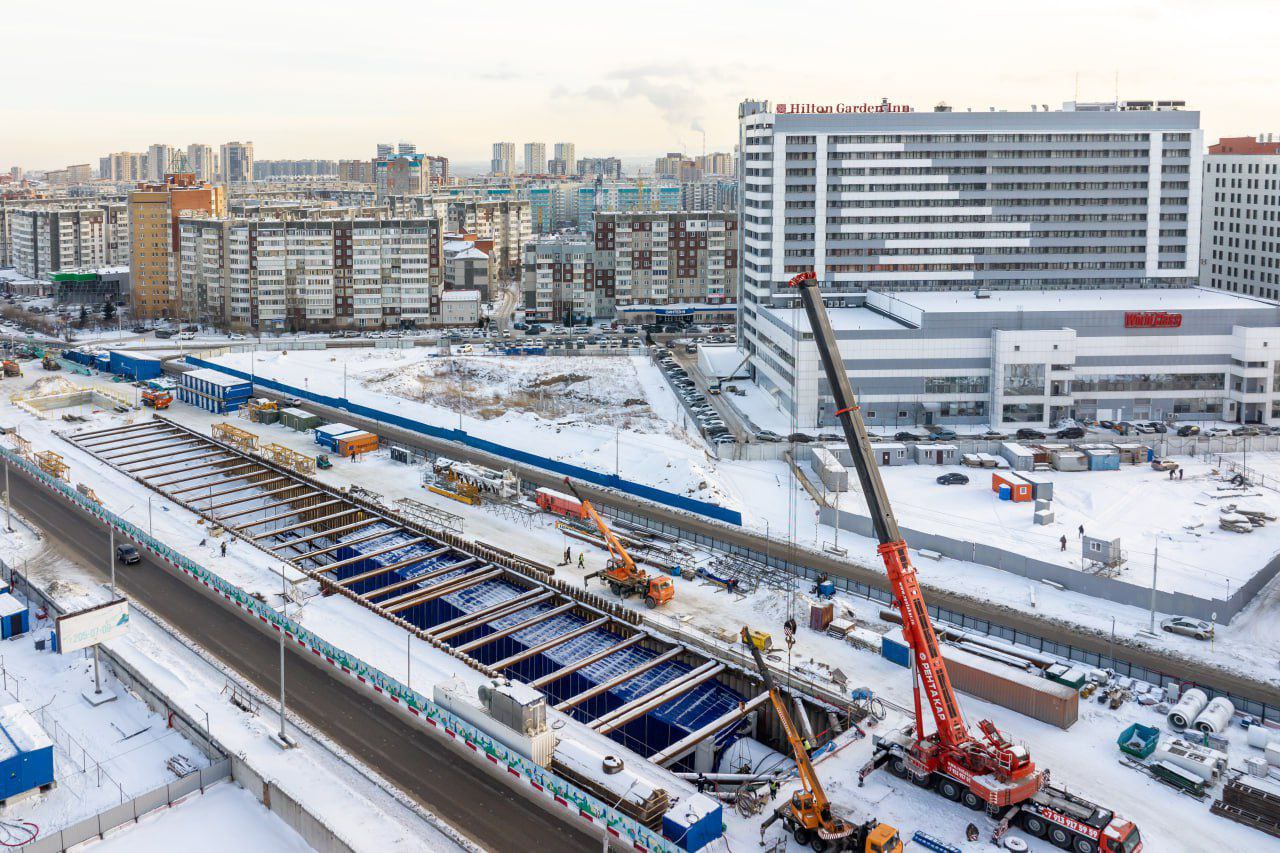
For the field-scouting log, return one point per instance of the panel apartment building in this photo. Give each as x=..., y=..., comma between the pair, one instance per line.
x=1240, y=235
x=154, y=211
x=317, y=271
x=636, y=267
x=878, y=197
x=50, y=238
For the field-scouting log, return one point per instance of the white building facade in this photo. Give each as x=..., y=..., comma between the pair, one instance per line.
x=1240, y=249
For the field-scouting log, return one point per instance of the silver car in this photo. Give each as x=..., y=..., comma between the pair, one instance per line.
x=1187, y=626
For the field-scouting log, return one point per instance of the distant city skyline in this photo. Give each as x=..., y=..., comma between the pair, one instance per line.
x=300, y=87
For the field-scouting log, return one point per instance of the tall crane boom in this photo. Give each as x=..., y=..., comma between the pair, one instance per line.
x=617, y=554
x=951, y=750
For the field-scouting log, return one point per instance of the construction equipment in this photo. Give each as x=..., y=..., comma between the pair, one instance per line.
x=50, y=362
x=807, y=815
x=323, y=463
x=242, y=440
x=621, y=574
x=983, y=769
x=11, y=368
x=157, y=400
x=52, y=464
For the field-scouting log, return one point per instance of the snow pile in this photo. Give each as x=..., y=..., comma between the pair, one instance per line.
x=47, y=386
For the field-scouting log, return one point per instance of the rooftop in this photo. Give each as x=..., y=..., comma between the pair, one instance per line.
x=1131, y=299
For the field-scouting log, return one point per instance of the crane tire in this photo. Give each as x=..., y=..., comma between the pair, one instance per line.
x=650, y=602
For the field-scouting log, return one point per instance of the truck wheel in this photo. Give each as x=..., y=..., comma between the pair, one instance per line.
x=614, y=588
x=650, y=602
x=949, y=788
x=1034, y=825
x=1084, y=845
x=1060, y=837
x=898, y=766
x=801, y=835
x=819, y=844
x=972, y=800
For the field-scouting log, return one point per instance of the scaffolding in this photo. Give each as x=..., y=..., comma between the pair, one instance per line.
x=21, y=445
x=287, y=457
x=240, y=439
x=51, y=463
x=430, y=516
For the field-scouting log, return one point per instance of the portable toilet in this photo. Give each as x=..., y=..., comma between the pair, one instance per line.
x=889, y=453
x=14, y=619
x=1020, y=458
x=1102, y=458
x=936, y=454
x=1020, y=490
x=26, y=754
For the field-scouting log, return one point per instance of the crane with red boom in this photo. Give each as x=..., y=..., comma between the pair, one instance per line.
x=986, y=770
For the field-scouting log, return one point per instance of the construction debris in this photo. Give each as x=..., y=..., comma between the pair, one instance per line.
x=1246, y=802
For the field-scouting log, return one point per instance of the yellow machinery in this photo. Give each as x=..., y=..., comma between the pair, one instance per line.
x=262, y=410
x=466, y=493
x=51, y=463
x=88, y=493
x=240, y=439
x=287, y=457
x=807, y=815
x=21, y=445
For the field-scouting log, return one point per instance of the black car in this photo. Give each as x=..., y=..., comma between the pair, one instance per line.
x=128, y=554
x=163, y=333
x=907, y=436
x=139, y=330
x=1069, y=432
x=1027, y=432
x=830, y=436
x=799, y=438
x=953, y=479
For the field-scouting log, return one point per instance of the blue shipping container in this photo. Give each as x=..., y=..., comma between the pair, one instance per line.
x=14, y=620
x=694, y=824
x=102, y=362
x=26, y=753
x=136, y=366
x=892, y=650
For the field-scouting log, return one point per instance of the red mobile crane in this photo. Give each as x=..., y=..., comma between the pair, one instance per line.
x=622, y=575
x=984, y=770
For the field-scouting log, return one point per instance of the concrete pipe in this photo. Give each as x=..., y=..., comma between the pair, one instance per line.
x=1187, y=709
x=1216, y=716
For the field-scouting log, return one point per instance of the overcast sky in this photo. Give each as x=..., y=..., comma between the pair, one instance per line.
x=330, y=79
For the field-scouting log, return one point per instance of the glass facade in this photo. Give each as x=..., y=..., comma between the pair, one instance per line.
x=1019, y=412
x=1149, y=382
x=956, y=385
x=1024, y=380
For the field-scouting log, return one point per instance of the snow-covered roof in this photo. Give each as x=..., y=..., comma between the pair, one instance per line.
x=22, y=730
x=10, y=605
x=335, y=429
x=460, y=296
x=470, y=254
x=842, y=319
x=1131, y=299
x=214, y=377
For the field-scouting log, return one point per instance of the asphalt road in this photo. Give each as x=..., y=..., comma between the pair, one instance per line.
x=426, y=769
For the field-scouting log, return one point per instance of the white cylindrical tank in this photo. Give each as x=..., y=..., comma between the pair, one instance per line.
x=1188, y=708
x=1216, y=716
x=1258, y=736
x=748, y=755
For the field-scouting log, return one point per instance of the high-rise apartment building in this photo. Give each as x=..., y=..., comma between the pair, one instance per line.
x=154, y=210
x=609, y=168
x=535, y=158
x=718, y=163
x=384, y=150
x=80, y=173
x=405, y=148
x=310, y=273
x=356, y=171
x=566, y=153
x=505, y=222
x=158, y=161
x=202, y=161
x=237, y=162
x=504, y=159
x=1240, y=232
x=124, y=166
x=409, y=174
x=51, y=238
x=677, y=166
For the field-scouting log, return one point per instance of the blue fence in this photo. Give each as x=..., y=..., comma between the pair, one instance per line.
x=564, y=469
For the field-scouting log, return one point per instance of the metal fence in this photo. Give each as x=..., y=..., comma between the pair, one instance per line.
x=130, y=811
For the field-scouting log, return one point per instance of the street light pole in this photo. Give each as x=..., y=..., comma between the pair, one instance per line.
x=284, y=608
x=8, y=510
x=1155, y=573
x=111, y=557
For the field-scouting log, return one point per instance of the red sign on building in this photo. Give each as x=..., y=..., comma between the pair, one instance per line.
x=1151, y=320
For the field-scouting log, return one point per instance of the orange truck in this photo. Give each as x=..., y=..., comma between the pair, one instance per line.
x=355, y=443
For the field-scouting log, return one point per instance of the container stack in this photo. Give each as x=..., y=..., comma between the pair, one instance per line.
x=136, y=366
x=214, y=391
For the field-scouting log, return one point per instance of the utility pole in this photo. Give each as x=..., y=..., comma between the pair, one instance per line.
x=8, y=510
x=1155, y=573
x=111, y=558
x=284, y=607
x=408, y=660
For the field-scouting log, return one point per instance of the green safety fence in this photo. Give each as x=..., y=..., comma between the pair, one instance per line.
x=544, y=781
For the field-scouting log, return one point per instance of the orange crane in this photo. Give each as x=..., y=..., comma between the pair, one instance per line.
x=622, y=575
x=984, y=770
x=807, y=815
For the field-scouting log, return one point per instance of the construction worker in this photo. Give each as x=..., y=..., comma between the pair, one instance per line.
x=1181, y=471
x=701, y=783
x=1170, y=473
x=1082, y=531
x=1063, y=540
x=773, y=788
x=224, y=548
x=582, y=563
x=568, y=556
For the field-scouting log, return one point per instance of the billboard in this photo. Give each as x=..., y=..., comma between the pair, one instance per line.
x=92, y=626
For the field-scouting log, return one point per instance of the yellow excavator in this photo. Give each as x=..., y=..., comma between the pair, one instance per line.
x=622, y=575
x=807, y=815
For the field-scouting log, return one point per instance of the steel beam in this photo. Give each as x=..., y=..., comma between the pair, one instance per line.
x=399, y=546
x=258, y=496
x=682, y=747
x=380, y=534
x=417, y=579
x=133, y=451
x=514, y=604
x=551, y=644
x=79, y=437
x=171, y=462
x=431, y=593
x=569, y=669
x=283, y=515
x=574, y=701
x=281, y=502
x=657, y=698
x=519, y=626
x=330, y=532
x=404, y=582
x=309, y=523
x=257, y=471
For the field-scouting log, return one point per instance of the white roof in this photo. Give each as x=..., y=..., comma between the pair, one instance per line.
x=214, y=377
x=10, y=605
x=140, y=356
x=336, y=429
x=842, y=319
x=471, y=254
x=22, y=729
x=297, y=413
x=460, y=296
x=1146, y=299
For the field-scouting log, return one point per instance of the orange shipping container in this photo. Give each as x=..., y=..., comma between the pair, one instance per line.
x=355, y=443
x=1020, y=488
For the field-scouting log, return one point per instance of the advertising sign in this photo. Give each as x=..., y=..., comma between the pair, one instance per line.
x=92, y=626
x=1152, y=320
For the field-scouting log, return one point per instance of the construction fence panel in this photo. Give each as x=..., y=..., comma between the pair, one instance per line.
x=543, y=781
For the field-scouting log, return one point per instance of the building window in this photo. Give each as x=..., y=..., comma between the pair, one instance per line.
x=1020, y=412
x=1024, y=380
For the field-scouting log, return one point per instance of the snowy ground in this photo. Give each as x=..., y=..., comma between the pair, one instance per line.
x=225, y=816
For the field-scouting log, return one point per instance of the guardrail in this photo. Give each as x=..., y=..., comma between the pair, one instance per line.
x=564, y=469
x=433, y=717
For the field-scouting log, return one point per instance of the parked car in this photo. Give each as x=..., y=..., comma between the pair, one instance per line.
x=768, y=435
x=993, y=435
x=1029, y=433
x=1218, y=432
x=235, y=336
x=186, y=336
x=1124, y=427
x=128, y=554
x=1187, y=626
x=724, y=439
x=1107, y=424
x=799, y=438
x=1157, y=426
x=830, y=436
x=1144, y=429
x=953, y=479
x=139, y=330
x=907, y=436
x=163, y=333
x=1164, y=465
x=942, y=433
x=190, y=328
x=1188, y=429
x=1070, y=432
x=1245, y=431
